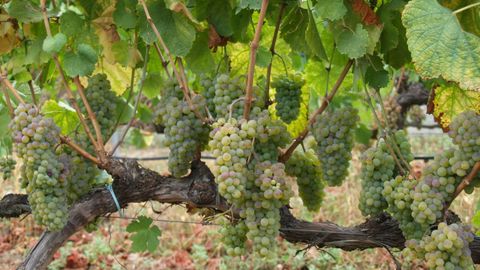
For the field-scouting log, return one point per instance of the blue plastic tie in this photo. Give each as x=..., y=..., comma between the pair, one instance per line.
x=109, y=188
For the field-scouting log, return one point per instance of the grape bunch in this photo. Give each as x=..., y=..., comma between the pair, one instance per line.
x=7, y=165
x=185, y=134
x=288, y=97
x=333, y=132
x=227, y=90
x=234, y=237
x=446, y=248
x=393, y=114
x=306, y=168
x=399, y=192
x=272, y=134
x=43, y=174
x=267, y=190
x=208, y=91
x=416, y=115
x=380, y=166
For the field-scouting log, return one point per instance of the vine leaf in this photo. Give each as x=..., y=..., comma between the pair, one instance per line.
x=331, y=10
x=63, y=115
x=363, y=10
x=9, y=38
x=450, y=100
x=175, y=28
x=251, y=4
x=23, y=11
x=200, y=59
x=124, y=14
x=81, y=63
x=54, y=44
x=439, y=46
x=353, y=43
x=146, y=236
x=71, y=24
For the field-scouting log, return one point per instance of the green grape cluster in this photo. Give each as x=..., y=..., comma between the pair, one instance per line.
x=306, y=168
x=234, y=237
x=208, y=91
x=227, y=90
x=84, y=174
x=43, y=174
x=185, y=134
x=416, y=115
x=333, y=131
x=446, y=248
x=7, y=165
x=266, y=191
x=399, y=192
x=378, y=167
x=288, y=97
x=272, y=134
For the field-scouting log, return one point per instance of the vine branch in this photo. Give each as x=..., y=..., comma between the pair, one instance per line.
x=8, y=84
x=326, y=101
x=253, y=58
x=272, y=51
x=465, y=183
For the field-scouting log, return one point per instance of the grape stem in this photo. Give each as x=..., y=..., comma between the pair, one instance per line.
x=137, y=102
x=162, y=59
x=8, y=84
x=98, y=148
x=253, y=58
x=326, y=101
x=178, y=76
x=32, y=92
x=465, y=183
x=272, y=51
x=79, y=150
x=9, y=103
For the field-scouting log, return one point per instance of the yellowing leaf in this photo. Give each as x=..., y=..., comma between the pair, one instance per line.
x=439, y=45
x=450, y=100
x=118, y=76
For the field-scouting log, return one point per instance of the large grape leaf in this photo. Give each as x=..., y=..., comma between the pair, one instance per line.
x=175, y=29
x=450, y=100
x=145, y=236
x=331, y=10
x=81, y=63
x=63, y=115
x=439, y=46
x=353, y=43
x=470, y=18
x=23, y=11
x=200, y=58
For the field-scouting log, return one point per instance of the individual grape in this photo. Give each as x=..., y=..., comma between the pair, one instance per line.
x=333, y=131
x=7, y=166
x=288, y=97
x=306, y=168
x=185, y=134
x=416, y=115
x=43, y=175
x=447, y=247
x=399, y=193
x=378, y=167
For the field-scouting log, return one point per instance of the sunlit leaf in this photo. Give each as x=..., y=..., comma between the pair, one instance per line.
x=63, y=115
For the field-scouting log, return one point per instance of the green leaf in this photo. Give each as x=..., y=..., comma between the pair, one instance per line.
x=353, y=43
x=331, y=10
x=136, y=138
x=439, y=46
x=175, y=29
x=264, y=56
x=63, y=115
x=71, y=24
x=251, y=4
x=81, y=63
x=54, y=44
x=375, y=75
x=476, y=219
x=363, y=134
x=22, y=76
x=125, y=14
x=312, y=37
x=23, y=11
x=450, y=100
x=220, y=15
x=200, y=58
x=4, y=121
x=145, y=237
x=151, y=85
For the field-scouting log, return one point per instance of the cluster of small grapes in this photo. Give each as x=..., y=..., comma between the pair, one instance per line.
x=378, y=167
x=399, y=193
x=393, y=112
x=288, y=96
x=227, y=91
x=208, y=91
x=333, y=131
x=185, y=134
x=446, y=248
x=84, y=174
x=7, y=165
x=266, y=191
x=43, y=174
x=416, y=115
x=306, y=168
x=234, y=237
